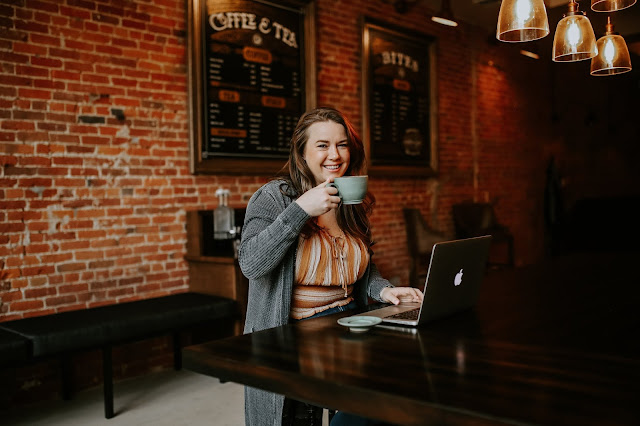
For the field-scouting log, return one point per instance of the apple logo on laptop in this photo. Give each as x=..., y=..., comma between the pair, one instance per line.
x=458, y=279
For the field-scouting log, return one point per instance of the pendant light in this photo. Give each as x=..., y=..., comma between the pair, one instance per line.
x=445, y=16
x=522, y=20
x=613, y=54
x=610, y=5
x=574, y=39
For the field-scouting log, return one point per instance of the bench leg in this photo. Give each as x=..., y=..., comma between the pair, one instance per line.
x=177, y=351
x=65, y=364
x=107, y=377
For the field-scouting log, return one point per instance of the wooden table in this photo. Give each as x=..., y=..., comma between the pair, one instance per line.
x=554, y=344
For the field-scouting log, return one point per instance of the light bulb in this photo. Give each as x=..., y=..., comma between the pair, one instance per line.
x=609, y=51
x=523, y=9
x=573, y=34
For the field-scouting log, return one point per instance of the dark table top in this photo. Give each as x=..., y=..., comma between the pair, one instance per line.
x=550, y=344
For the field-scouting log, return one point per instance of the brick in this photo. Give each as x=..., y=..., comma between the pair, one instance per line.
x=88, y=255
x=81, y=128
x=34, y=94
x=103, y=285
x=29, y=49
x=37, y=270
x=11, y=227
x=8, y=160
x=109, y=50
x=99, y=264
x=39, y=293
x=79, y=45
x=37, y=248
x=75, y=13
x=124, y=62
x=31, y=26
x=156, y=29
x=60, y=300
x=44, y=39
x=73, y=288
x=81, y=67
x=73, y=204
x=27, y=115
x=13, y=57
x=35, y=182
x=88, y=119
x=105, y=18
x=84, y=4
x=32, y=71
x=120, y=292
x=95, y=140
x=85, y=172
x=26, y=305
x=17, y=80
x=32, y=136
x=42, y=6
x=79, y=224
x=129, y=23
x=10, y=296
x=74, y=245
x=56, y=258
x=70, y=267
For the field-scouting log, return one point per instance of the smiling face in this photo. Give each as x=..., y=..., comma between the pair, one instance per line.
x=327, y=150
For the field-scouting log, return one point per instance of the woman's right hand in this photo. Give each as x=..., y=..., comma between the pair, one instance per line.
x=320, y=199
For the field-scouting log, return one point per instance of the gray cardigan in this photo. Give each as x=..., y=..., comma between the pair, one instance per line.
x=267, y=258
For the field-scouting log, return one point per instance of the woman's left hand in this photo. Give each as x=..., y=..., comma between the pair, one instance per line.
x=397, y=295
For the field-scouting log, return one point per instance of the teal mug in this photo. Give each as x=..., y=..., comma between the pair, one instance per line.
x=351, y=189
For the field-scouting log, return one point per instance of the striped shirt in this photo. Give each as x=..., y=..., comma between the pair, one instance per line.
x=326, y=269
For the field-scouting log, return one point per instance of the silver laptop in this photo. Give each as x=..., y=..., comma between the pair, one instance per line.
x=453, y=282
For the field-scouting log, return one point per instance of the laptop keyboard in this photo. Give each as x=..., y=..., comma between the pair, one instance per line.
x=411, y=315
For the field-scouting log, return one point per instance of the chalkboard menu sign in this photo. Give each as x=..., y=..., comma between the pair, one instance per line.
x=248, y=83
x=399, y=101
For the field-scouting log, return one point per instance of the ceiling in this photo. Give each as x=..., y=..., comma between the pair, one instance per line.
x=484, y=13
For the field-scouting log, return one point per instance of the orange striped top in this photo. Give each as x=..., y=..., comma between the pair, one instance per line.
x=326, y=269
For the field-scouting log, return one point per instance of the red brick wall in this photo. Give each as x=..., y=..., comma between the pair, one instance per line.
x=94, y=178
x=94, y=145
x=498, y=158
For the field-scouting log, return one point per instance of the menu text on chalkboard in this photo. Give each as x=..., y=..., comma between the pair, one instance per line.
x=252, y=77
x=399, y=104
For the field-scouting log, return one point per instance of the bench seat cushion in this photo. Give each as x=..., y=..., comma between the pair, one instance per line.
x=13, y=347
x=163, y=314
x=89, y=328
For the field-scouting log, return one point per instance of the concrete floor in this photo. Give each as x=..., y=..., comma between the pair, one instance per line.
x=168, y=398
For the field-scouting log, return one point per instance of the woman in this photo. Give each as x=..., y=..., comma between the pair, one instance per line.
x=303, y=252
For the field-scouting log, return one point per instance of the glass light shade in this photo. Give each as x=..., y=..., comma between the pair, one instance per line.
x=445, y=16
x=574, y=39
x=522, y=20
x=610, y=5
x=613, y=56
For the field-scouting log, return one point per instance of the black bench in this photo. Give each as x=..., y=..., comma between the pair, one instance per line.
x=13, y=347
x=102, y=327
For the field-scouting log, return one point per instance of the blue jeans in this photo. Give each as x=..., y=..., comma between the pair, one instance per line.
x=345, y=419
x=351, y=305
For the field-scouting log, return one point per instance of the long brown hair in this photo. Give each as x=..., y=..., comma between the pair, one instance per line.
x=352, y=219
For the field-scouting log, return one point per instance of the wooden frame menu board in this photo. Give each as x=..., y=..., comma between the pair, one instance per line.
x=399, y=101
x=251, y=76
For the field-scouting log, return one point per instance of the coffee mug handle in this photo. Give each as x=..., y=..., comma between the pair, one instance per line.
x=336, y=187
